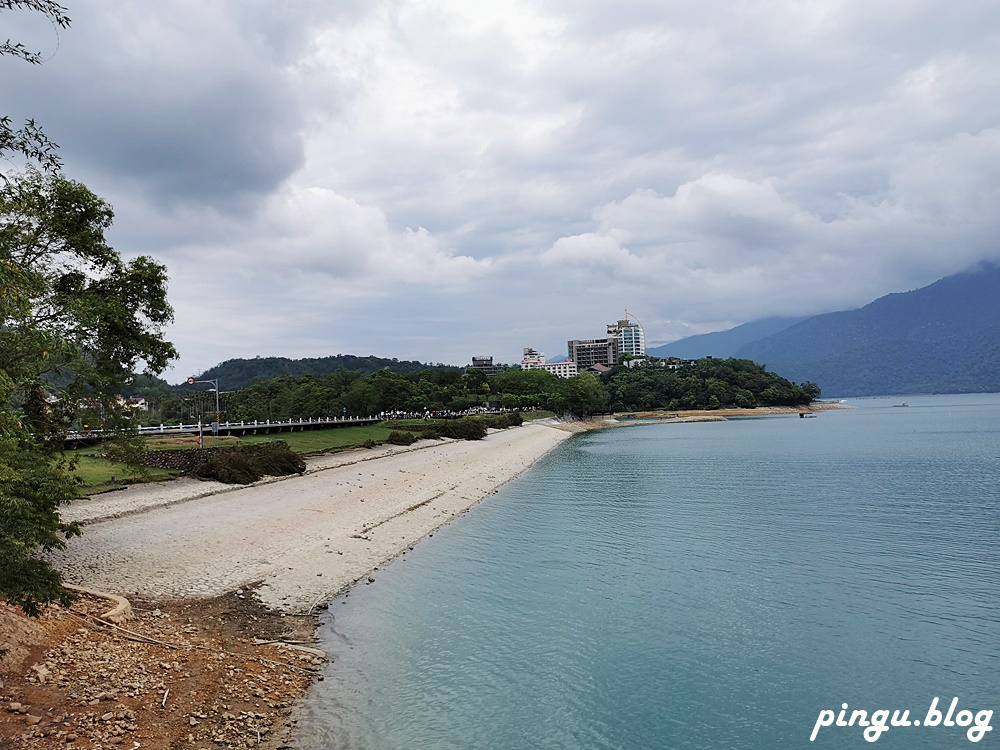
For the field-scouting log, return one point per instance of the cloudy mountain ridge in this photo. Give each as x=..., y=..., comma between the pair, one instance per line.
x=942, y=338
x=722, y=344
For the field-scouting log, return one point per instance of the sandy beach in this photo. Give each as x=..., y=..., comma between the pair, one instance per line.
x=299, y=540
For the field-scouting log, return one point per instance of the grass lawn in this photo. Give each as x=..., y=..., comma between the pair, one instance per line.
x=310, y=442
x=99, y=474
x=183, y=442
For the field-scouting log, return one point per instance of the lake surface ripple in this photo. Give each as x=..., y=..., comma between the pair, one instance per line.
x=708, y=585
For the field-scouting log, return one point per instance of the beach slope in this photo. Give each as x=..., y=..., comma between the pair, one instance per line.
x=302, y=539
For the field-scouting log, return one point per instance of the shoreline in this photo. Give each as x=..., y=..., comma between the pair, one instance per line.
x=226, y=584
x=244, y=563
x=683, y=416
x=303, y=538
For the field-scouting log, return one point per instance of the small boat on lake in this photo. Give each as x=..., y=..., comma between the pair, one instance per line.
x=902, y=404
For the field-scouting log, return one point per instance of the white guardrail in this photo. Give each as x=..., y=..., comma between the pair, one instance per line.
x=168, y=429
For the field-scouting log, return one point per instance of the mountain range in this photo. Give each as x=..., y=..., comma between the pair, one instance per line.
x=722, y=344
x=942, y=338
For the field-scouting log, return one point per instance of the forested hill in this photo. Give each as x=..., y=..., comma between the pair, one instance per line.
x=943, y=338
x=234, y=374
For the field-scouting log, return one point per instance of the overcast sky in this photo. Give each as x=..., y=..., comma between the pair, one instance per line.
x=433, y=180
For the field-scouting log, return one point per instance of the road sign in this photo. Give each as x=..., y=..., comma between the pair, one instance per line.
x=190, y=381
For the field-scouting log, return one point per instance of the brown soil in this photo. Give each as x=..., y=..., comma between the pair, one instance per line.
x=179, y=674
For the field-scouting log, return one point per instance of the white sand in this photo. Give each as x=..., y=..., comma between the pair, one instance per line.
x=306, y=538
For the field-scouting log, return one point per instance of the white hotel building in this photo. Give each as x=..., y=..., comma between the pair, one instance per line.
x=535, y=360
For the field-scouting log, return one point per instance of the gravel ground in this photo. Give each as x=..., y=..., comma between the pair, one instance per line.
x=304, y=538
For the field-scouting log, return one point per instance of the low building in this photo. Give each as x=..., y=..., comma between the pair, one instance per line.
x=535, y=360
x=587, y=352
x=567, y=369
x=675, y=363
x=484, y=365
x=532, y=359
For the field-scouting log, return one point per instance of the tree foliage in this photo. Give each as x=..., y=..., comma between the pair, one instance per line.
x=75, y=321
x=234, y=374
x=52, y=10
x=706, y=384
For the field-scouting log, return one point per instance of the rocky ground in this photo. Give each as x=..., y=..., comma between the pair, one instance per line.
x=208, y=673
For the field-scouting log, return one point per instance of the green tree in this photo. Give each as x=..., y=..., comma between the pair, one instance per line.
x=361, y=399
x=76, y=320
x=585, y=395
x=707, y=383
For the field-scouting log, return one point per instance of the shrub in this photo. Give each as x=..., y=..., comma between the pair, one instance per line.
x=397, y=437
x=470, y=428
x=503, y=421
x=248, y=463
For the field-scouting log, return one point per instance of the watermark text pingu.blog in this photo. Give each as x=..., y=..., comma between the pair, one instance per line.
x=873, y=723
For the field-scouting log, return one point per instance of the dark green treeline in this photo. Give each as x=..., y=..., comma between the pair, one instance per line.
x=704, y=384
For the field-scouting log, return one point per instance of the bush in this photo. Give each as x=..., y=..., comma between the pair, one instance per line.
x=248, y=463
x=503, y=421
x=470, y=428
x=401, y=438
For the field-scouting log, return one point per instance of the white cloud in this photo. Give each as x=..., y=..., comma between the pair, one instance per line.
x=304, y=235
x=727, y=247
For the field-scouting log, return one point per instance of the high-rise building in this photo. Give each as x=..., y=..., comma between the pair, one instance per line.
x=625, y=338
x=630, y=337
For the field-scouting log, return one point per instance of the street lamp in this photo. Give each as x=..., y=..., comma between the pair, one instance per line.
x=215, y=424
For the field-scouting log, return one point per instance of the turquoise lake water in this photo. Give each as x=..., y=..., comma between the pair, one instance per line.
x=712, y=585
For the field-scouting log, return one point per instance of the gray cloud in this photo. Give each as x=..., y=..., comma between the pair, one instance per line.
x=433, y=180
x=186, y=103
